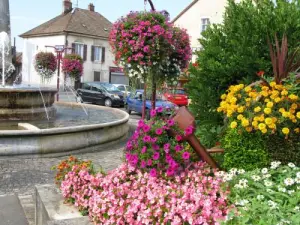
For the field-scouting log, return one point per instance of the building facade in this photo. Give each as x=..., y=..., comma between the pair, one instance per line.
x=83, y=30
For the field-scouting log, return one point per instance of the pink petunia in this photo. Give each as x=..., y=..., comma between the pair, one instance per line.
x=186, y=155
x=189, y=130
x=156, y=156
x=178, y=138
x=153, y=172
x=147, y=138
x=149, y=162
x=144, y=149
x=153, y=113
x=159, y=131
x=178, y=148
x=146, y=128
x=171, y=122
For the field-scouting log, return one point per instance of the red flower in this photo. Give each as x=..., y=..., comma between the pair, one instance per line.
x=260, y=73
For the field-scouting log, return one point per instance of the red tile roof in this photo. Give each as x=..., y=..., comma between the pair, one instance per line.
x=77, y=21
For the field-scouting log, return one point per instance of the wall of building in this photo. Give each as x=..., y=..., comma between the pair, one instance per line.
x=31, y=47
x=89, y=66
x=191, y=19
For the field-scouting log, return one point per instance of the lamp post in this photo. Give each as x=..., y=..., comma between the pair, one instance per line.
x=59, y=49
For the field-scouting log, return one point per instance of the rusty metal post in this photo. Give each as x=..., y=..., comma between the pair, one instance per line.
x=184, y=119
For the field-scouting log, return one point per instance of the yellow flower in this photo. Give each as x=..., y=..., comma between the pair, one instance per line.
x=219, y=109
x=294, y=106
x=272, y=126
x=265, y=93
x=261, y=126
x=257, y=109
x=284, y=92
x=254, y=123
x=286, y=114
x=272, y=84
x=297, y=130
x=292, y=111
x=298, y=115
x=240, y=117
x=294, y=120
x=245, y=122
x=241, y=109
x=233, y=100
x=223, y=96
x=233, y=124
x=268, y=121
x=281, y=110
x=274, y=119
x=267, y=110
x=264, y=131
x=248, y=89
x=285, y=130
x=267, y=100
x=248, y=129
x=293, y=97
x=270, y=104
x=277, y=99
x=248, y=99
x=265, y=88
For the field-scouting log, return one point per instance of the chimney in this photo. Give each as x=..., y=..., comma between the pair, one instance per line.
x=67, y=6
x=91, y=7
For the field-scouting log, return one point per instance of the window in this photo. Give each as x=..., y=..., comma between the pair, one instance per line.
x=204, y=23
x=121, y=88
x=97, y=75
x=86, y=86
x=98, y=54
x=79, y=49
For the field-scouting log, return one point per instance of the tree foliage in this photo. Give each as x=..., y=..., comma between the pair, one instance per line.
x=236, y=50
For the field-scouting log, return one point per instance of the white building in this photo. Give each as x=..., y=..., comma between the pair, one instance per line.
x=197, y=16
x=84, y=30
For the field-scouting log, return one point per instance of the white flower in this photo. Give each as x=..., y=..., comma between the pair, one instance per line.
x=267, y=175
x=291, y=192
x=242, y=202
x=297, y=208
x=233, y=171
x=220, y=174
x=264, y=170
x=268, y=183
x=282, y=189
x=241, y=171
x=297, y=180
x=238, y=186
x=269, y=190
x=272, y=204
x=275, y=164
x=298, y=174
x=292, y=165
x=260, y=197
x=255, y=177
x=289, y=181
x=227, y=177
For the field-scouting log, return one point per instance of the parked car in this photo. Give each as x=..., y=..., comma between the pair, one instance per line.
x=177, y=95
x=125, y=89
x=100, y=93
x=135, y=103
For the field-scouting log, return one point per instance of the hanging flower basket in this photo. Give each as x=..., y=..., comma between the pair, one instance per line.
x=72, y=65
x=45, y=64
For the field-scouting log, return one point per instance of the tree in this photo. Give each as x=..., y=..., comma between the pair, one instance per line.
x=235, y=51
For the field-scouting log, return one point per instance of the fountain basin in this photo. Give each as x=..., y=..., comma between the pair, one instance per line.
x=26, y=103
x=67, y=136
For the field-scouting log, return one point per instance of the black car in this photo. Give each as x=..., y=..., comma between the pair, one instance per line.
x=100, y=93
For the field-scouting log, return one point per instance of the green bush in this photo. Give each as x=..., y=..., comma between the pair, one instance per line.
x=236, y=50
x=244, y=150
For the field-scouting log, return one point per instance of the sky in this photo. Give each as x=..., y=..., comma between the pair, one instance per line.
x=27, y=14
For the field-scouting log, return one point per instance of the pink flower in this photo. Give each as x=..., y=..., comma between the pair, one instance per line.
x=149, y=162
x=178, y=138
x=156, y=156
x=153, y=172
x=153, y=113
x=178, y=148
x=159, y=131
x=167, y=146
x=146, y=128
x=170, y=172
x=186, y=155
x=154, y=140
x=143, y=164
x=160, y=109
x=171, y=122
x=147, y=138
x=189, y=130
x=144, y=149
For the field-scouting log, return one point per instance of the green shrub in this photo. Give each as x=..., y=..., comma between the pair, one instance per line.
x=244, y=150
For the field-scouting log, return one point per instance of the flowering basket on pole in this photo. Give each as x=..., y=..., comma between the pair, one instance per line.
x=45, y=64
x=72, y=65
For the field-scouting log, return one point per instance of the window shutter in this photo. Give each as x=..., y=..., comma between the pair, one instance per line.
x=93, y=53
x=103, y=55
x=73, y=48
x=84, y=52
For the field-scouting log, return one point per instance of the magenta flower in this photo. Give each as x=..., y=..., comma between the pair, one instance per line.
x=160, y=109
x=149, y=162
x=153, y=172
x=141, y=123
x=189, y=130
x=170, y=172
x=144, y=149
x=167, y=146
x=171, y=122
x=153, y=113
x=178, y=148
x=156, y=156
x=155, y=147
x=147, y=138
x=146, y=128
x=178, y=138
x=159, y=131
x=154, y=140
x=143, y=164
x=129, y=145
x=186, y=155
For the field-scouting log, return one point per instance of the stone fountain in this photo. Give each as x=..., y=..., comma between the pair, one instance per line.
x=31, y=122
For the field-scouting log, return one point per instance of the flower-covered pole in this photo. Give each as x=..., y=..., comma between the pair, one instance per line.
x=59, y=51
